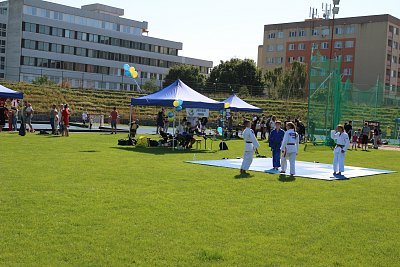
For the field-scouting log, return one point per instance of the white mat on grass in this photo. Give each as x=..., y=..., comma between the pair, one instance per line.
x=303, y=169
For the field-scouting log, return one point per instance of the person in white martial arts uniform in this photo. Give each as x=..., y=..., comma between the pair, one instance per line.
x=290, y=148
x=251, y=145
x=342, y=144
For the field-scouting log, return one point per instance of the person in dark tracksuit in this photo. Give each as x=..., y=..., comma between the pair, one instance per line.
x=275, y=141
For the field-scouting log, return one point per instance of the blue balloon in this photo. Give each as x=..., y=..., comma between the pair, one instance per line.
x=178, y=108
x=180, y=101
x=126, y=67
x=128, y=74
x=219, y=130
x=170, y=114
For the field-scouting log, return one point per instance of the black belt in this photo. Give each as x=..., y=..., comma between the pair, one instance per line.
x=290, y=144
x=341, y=146
x=249, y=142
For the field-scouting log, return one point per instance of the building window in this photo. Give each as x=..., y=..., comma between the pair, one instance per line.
x=292, y=46
x=271, y=35
x=395, y=45
x=270, y=48
x=347, y=71
x=300, y=59
x=302, y=33
x=281, y=35
x=349, y=44
x=301, y=47
x=324, y=58
x=393, y=73
x=338, y=44
x=2, y=46
x=292, y=34
x=339, y=30
x=348, y=58
x=325, y=32
x=324, y=45
x=314, y=46
x=270, y=60
x=394, y=59
x=291, y=59
x=350, y=30
x=338, y=58
x=396, y=31
x=313, y=72
x=44, y=29
x=279, y=60
x=314, y=32
x=279, y=47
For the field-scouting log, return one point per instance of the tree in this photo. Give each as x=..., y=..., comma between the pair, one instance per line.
x=188, y=74
x=150, y=86
x=288, y=82
x=43, y=80
x=236, y=73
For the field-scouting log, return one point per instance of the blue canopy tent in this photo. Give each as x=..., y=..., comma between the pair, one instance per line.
x=8, y=93
x=237, y=104
x=177, y=90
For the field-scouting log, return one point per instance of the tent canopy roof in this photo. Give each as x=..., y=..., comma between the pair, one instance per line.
x=237, y=104
x=177, y=90
x=8, y=93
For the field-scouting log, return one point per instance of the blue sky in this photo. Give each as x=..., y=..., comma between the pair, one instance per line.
x=221, y=29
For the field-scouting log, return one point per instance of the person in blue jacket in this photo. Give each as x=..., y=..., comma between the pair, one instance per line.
x=275, y=141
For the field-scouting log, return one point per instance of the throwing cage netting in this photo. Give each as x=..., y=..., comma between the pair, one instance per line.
x=334, y=99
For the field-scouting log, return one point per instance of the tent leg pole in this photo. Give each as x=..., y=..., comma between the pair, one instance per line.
x=130, y=122
x=173, y=133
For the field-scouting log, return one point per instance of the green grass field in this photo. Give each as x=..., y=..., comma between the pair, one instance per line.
x=84, y=201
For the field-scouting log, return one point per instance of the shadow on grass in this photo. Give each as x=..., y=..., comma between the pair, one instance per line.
x=88, y=151
x=162, y=150
x=286, y=178
x=243, y=176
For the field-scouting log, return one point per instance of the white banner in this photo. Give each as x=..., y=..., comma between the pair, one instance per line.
x=197, y=112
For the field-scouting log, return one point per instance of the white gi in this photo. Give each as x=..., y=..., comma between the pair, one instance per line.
x=290, y=148
x=251, y=144
x=342, y=144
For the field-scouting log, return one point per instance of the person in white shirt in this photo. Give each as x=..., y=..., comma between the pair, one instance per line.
x=342, y=144
x=290, y=148
x=251, y=145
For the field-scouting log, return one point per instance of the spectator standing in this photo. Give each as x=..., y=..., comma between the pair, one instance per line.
x=3, y=115
x=15, y=110
x=28, y=114
x=84, y=117
x=160, y=120
x=114, y=117
x=365, y=136
x=53, y=115
x=376, y=137
x=60, y=121
x=10, y=120
x=348, y=128
x=65, y=120
x=272, y=124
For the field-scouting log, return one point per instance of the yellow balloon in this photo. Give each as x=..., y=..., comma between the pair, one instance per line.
x=171, y=119
x=227, y=105
x=132, y=69
x=176, y=103
x=134, y=74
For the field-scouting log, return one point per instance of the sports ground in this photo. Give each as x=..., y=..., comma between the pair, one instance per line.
x=85, y=201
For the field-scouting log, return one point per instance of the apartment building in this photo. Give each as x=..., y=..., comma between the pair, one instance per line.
x=368, y=46
x=85, y=47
